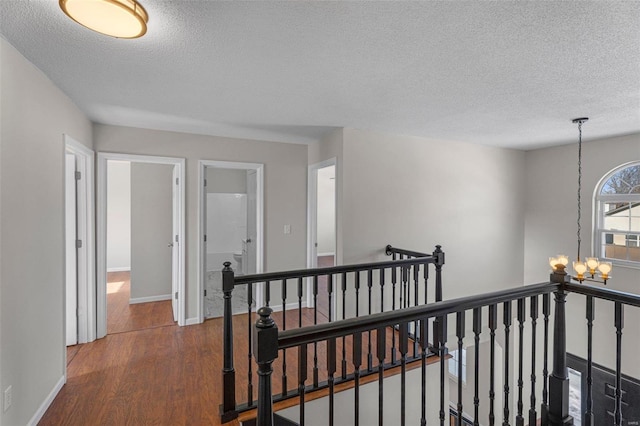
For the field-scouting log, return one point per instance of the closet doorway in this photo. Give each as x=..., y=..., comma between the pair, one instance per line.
x=322, y=229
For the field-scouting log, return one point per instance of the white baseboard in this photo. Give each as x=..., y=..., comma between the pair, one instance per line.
x=120, y=269
x=326, y=254
x=288, y=306
x=159, y=298
x=192, y=321
x=46, y=403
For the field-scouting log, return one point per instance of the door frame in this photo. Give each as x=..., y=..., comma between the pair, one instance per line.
x=85, y=219
x=101, y=299
x=312, y=219
x=202, y=202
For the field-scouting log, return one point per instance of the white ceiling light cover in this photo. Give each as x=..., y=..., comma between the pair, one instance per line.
x=116, y=18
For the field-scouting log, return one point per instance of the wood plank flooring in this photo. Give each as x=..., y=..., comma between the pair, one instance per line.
x=170, y=375
x=123, y=317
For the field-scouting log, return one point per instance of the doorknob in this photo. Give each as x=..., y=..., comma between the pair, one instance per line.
x=170, y=245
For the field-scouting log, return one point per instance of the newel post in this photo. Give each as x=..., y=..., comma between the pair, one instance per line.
x=228, y=409
x=265, y=344
x=559, y=381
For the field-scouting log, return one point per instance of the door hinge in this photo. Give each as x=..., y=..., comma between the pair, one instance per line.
x=176, y=295
x=176, y=181
x=205, y=182
x=78, y=175
x=78, y=243
x=205, y=293
x=176, y=238
x=205, y=238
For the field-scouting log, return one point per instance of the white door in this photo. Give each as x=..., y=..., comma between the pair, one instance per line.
x=175, y=252
x=71, y=267
x=252, y=223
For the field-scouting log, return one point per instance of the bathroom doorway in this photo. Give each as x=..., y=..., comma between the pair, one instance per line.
x=231, y=229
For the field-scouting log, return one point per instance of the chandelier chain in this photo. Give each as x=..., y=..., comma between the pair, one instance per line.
x=579, y=233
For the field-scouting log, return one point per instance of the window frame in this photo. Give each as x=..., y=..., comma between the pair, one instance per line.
x=599, y=231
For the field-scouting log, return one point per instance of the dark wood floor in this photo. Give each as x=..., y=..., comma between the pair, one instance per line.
x=170, y=375
x=123, y=317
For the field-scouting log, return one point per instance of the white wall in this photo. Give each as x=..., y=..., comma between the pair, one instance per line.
x=550, y=228
x=326, y=203
x=415, y=193
x=151, y=230
x=285, y=188
x=35, y=114
x=118, y=216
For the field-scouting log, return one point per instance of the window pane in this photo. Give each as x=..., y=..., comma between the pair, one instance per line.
x=616, y=216
x=626, y=181
x=615, y=246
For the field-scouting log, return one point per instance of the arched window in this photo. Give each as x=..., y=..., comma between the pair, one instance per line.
x=617, y=224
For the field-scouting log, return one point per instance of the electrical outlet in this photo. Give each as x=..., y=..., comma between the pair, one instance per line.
x=287, y=229
x=8, y=397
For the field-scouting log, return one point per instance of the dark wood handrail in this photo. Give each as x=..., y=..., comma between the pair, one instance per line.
x=389, y=250
x=321, y=332
x=604, y=293
x=303, y=273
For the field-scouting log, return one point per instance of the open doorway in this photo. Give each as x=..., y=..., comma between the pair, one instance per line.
x=322, y=227
x=140, y=250
x=231, y=230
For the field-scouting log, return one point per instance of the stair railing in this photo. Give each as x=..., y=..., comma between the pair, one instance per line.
x=351, y=291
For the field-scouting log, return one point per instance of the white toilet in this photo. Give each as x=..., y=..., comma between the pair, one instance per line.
x=237, y=257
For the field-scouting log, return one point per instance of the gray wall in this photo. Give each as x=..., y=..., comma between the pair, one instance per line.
x=118, y=216
x=550, y=228
x=415, y=193
x=285, y=187
x=151, y=229
x=35, y=114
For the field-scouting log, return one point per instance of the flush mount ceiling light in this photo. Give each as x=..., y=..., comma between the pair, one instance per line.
x=116, y=18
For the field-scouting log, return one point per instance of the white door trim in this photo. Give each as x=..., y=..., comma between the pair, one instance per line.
x=202, y=264
x=86, y=231
x=101, y=300
x=312, y=219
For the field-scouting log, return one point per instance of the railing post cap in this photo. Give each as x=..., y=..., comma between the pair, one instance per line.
x=387, y=250
x=227, y=266
x=265, y=339
x=265, y=320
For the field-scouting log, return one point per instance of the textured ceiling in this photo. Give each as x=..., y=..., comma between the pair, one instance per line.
x=509, y=74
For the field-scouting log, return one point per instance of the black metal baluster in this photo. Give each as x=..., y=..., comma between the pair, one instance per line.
x=302, y=377
x=533, y=314
x=424, y=346
x=267, y=294
x=315, y=321
x=283, y=294
x=404, y=348
x=402, y=274
x=521, y=313
x=460, y=334
x=381, y=344
x=330, y=291
x=416, y=275
x=588, y=415
x=381, y=290
x=250, y=344
x=331, y=370
x=369, y=354
x=546, y=310
x=506, y=320
x=477, y=329
x=300, y=281
x=344, y=316
x=493, y=325
x=441, y=326
x=357, y=285
x=619, y=323
x=394, y=279
x=357, y=362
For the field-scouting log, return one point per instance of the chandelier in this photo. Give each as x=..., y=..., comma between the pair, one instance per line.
x=587, y=269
